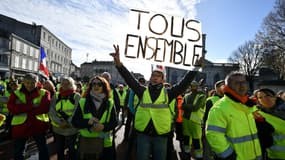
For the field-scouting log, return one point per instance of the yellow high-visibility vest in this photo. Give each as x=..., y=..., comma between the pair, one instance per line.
x=159, y=112
x=105, y=118
x=21, y=99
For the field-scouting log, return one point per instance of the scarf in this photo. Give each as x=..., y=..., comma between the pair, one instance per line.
x=97, y=99
x=65, y=93
x=238, y=98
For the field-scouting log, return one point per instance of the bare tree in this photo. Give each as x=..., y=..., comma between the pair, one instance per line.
x=250, y=58
x=272, y=37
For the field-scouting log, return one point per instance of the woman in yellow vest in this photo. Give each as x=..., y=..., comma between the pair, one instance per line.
x=96, y=118
x=272, y=109
x=29, y=106
x=62, y=108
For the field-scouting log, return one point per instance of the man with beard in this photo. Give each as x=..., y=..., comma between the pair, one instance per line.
x=153, y=117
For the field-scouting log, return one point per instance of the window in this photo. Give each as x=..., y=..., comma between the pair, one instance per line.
x=25, y=49
x=30, y=65
x=36, y=66
x=44, y=35
x=18, y=46
x=24, y=63
x=16, y=64
x=37, y=53
x=31, y=52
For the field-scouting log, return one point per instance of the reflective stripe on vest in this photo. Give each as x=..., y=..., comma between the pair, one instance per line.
x=226, y=153
x=21, y=99
x=234, y=139
x=105, y=118
x=157, y=111
x=231, y=124
x=277, y=150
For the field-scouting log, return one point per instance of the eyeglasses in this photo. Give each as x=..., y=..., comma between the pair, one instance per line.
x=100, y=84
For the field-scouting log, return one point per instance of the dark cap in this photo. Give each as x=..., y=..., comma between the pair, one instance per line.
x=219, y=83
x=141, y=80
x=194, y=83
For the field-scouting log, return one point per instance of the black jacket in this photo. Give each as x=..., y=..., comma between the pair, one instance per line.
x=89, y=107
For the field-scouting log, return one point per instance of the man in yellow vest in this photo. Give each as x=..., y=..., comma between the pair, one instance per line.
x=193, y=107
x=29, y=106
x=153, y=117
x=231, y=130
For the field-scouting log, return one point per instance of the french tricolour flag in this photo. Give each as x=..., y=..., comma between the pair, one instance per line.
x=43, y=66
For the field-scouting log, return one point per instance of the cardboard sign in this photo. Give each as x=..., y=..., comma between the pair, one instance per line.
x=164, y=40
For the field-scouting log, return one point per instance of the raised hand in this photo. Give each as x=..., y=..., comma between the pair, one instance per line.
x=116, y=55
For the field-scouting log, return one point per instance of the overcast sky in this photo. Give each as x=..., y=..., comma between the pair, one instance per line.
x=93, y=26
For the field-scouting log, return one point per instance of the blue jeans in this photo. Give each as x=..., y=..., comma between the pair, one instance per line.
x=155, y=145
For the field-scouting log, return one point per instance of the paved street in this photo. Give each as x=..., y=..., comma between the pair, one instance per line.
x=6, y=148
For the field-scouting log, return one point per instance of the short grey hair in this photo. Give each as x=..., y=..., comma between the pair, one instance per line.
x=229, y=77
x=70, y=80
x=106, y=75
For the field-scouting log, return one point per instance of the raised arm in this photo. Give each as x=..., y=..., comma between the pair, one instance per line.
x=124, y=72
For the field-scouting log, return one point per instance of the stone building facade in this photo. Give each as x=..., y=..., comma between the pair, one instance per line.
x=22, y=40
x=211, y=73
x=89, y=69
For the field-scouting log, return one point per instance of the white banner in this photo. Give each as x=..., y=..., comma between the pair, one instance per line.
x=163, y=39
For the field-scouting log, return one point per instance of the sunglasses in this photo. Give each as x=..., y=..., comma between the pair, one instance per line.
x=100, y=84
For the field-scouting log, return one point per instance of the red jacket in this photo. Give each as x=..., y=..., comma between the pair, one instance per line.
x=31, y=126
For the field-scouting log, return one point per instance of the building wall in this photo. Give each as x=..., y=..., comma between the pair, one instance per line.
x=74, y=71
x=217, y=71
x=58, y=53
x=26, y=31
x=24, y=56
x=211, y=72
x=98, y=67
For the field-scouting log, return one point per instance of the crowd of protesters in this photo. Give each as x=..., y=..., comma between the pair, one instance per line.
x=225, y=123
